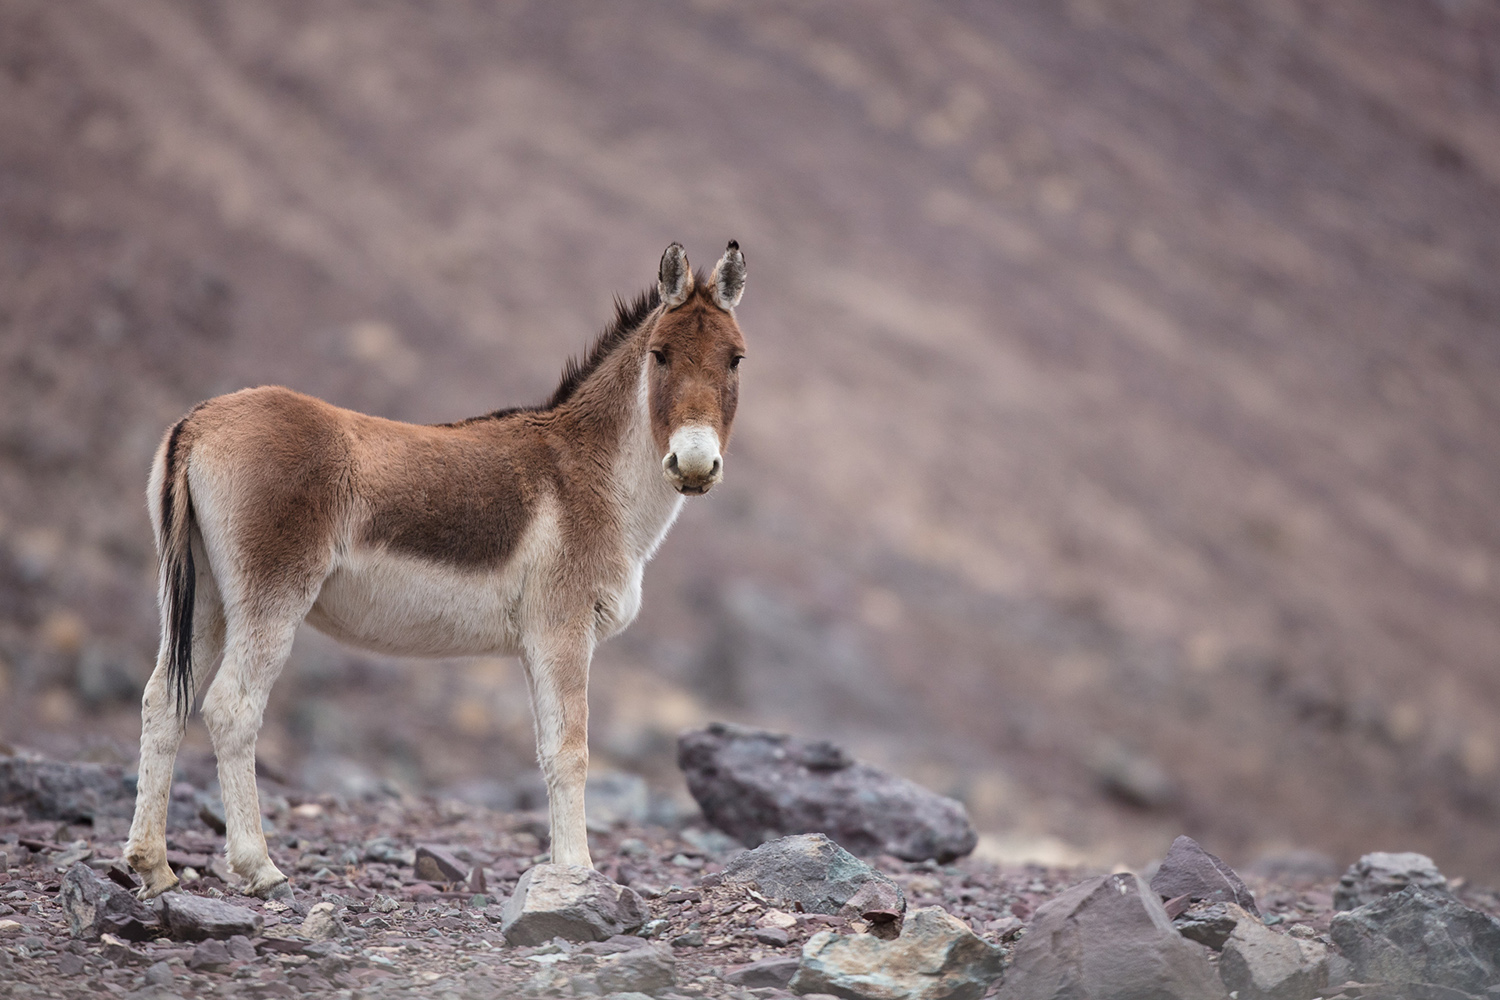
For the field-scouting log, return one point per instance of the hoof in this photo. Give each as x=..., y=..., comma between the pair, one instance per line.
x=153, y=884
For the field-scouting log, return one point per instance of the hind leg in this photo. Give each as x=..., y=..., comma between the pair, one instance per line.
x=233, y=709
x=162, y=727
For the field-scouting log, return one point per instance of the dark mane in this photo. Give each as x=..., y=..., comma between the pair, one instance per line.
x=628, y=317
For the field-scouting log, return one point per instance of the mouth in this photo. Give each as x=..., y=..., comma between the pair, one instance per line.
x=693, y=491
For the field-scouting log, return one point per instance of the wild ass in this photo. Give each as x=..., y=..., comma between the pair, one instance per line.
x=522, y=532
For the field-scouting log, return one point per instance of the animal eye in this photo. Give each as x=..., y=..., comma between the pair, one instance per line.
x=660, y=356
x=734, y=362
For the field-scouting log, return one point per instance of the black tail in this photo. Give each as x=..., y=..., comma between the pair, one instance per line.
x=179, y=579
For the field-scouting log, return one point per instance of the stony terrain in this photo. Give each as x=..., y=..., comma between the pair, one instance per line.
x=401, y=896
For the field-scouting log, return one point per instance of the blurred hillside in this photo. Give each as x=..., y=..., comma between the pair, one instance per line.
x=1118, y=446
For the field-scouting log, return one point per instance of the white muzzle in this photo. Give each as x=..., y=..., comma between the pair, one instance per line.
x=693, y=463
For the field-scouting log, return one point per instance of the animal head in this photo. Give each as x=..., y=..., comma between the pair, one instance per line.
x=695, y=348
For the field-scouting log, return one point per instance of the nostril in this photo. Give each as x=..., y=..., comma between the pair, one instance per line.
x=671, y=462
x=718, y=464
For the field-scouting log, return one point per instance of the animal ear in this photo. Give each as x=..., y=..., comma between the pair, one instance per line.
x=675, y=279
x=729, y=277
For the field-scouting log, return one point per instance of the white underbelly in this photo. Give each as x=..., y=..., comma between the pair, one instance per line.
x=411, y=607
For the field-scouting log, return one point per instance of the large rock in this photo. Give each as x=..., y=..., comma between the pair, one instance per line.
x=193, y=918
x=756, y=786
x=1188, y=870
x=1109, y=939
x=1419, y=936
x=1263, y=965
x=936, y=957
x=1381, y=873
x=569, y=901
x=96, y=906
x=73, y=793
x=812, y=873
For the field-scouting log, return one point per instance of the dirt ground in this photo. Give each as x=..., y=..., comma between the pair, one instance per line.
x=1118, y=442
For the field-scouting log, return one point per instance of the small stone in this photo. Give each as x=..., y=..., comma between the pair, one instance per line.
x=322, y=923
x=1210, y=924
x=117, y=951
x=768, y=973
x=757, y=785
x=211, y=812
x=159, y=975
x=773, y=936
x=193, y=918
x=210, y=956
x=692, y=939
x=1189, y=870
x=240, y=948
x=937, y=957
x=1381, y=873
x=817, y=875
x=69, y=964
x=571, y=902
x=433, y=864
x=389, y=852
x=1005, y=928
x=644, y=968
x=1260, y=964
x=777, y=918
x=1420, y=936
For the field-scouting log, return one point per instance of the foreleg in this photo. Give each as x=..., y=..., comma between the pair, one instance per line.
x=557, y=669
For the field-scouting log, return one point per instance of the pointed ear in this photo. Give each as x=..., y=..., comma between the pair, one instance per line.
x=675, y=279
x=729, y=278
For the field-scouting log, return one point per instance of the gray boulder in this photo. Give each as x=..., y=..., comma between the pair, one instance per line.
x=1381, y=873
x=569, y=901
x=193, y=918
x=937, y=957
x=812, y=873
x=1419, y=936
x=757, y=785
x=95, y=906
x=1260, y=964
x=1109, y=939
x=1188, y=870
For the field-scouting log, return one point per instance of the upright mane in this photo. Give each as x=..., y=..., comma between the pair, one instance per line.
x=628, y=317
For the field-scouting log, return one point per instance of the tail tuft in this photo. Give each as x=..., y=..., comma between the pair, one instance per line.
x=179, y=578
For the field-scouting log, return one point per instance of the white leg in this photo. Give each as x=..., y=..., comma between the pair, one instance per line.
x=233, y=710
x=161, y=733
x=557, y=668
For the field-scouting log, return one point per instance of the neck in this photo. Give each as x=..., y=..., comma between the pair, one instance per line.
x=613, y=408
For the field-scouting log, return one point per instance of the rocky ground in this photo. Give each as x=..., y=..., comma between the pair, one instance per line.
x=399, y=896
